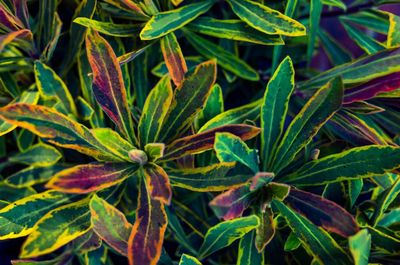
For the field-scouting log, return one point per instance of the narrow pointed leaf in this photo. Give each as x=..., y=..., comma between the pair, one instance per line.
x=90, y=177
x=225, y=233
x=265, y=232
x=188, y=100
x=166, y=22
x=108, y=85
x=274, y=109
x=213, y=106
x=57, y=228
x=158, y=183
x=201, y=142
x=147, y=236
x=322, y=246
x=358, y=162
x=247, y=252
x=313, y=27
x=322, y=212
x=110, y=224
x=393, y=36
x=154, y=111
x=307, y=123
x=367, y=43
x=173, y=58
x=112, y=29
x=266, y=19
x=384, y=200
x=360, y=246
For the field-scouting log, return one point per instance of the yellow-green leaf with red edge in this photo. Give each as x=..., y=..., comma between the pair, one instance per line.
x=204, y=141
x=189, y=98
x=154, y=111
x=173, y=58
x=90, y=177
x=147, y=236
x=157, y=183
x=110, y=224
x=56, y=128
x=108, y=85
x=20, y=35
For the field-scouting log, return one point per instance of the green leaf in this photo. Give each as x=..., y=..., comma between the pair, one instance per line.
x=360, y=245
x=154, y=111
x=247, y=252
x=188, y=100
x=225, y=233
x=19, y=218
x=39, y=155
x=335, y=51
x=189, y=260
x=225, y=59
x=393, y=35
x=336, y=3
x=266, y=19
x=274, y=109
x=165, y=22
x=315, y=17
x=213, y=106
x=173, y=58
x=367, y=43
x=51, y=86
x=384, y=200
x=230, y=148
x=319, y=108
x=108, y=28
x=322, y=246
x=383, y=241
x=358, y=162
x=57, y=228
x=110, y=224
x=232, y=29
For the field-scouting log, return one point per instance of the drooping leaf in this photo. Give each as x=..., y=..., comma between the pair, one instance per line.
x=358, y=162
x=110, y=224
x=323, y=247
x=147, y=236
x=188, y=100
x=90, y=177
x=274, y=109
x=232, y=29
x=57, y=228
x=266, y=19
x=165, y=22
x=154, y=111
x=108, y=85
x=307, y=122
x=173, y=58
x=225, y=233
x=360, y=245
x=322, y=212
x=201, y=142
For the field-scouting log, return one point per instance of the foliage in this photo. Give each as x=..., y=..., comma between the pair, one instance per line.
x=200, y=132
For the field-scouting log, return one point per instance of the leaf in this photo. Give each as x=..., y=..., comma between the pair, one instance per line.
x=384, y=242
x=322, y=212
x=197, y=143
x=225, y=233
x=51, y=86
x=154, y=151
x=55, y=128
x=393, y=36
x=90, y=177
x=225, y=59
x=18, y=218
x=22, y=37
x=188, y=260
x=335, y=51
x=336, y=3
x=372, y=88
x=173, y=58
x=247, y=252
x=265, y=19
x=274, y=109
x=157, y=182
x=108, y=85
x=213, y=106
x=232, y=29
x=265, y=232
x=165, y=22
x=147, y=236
x=230, y=148
x=360, y=246
x=384, y=200
x=232, y=203
x=110, y=224
x=319, y=108
x=154, y=111
x=358, y=162
x=360, y=70
x=368, y=44
x=314, y=20
x=322, y=246
x=57, y=228
x=32, y=175
x=38, y=155
x=216, y=177
x=188, y=100
x=237, y=115
x=108, y=28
